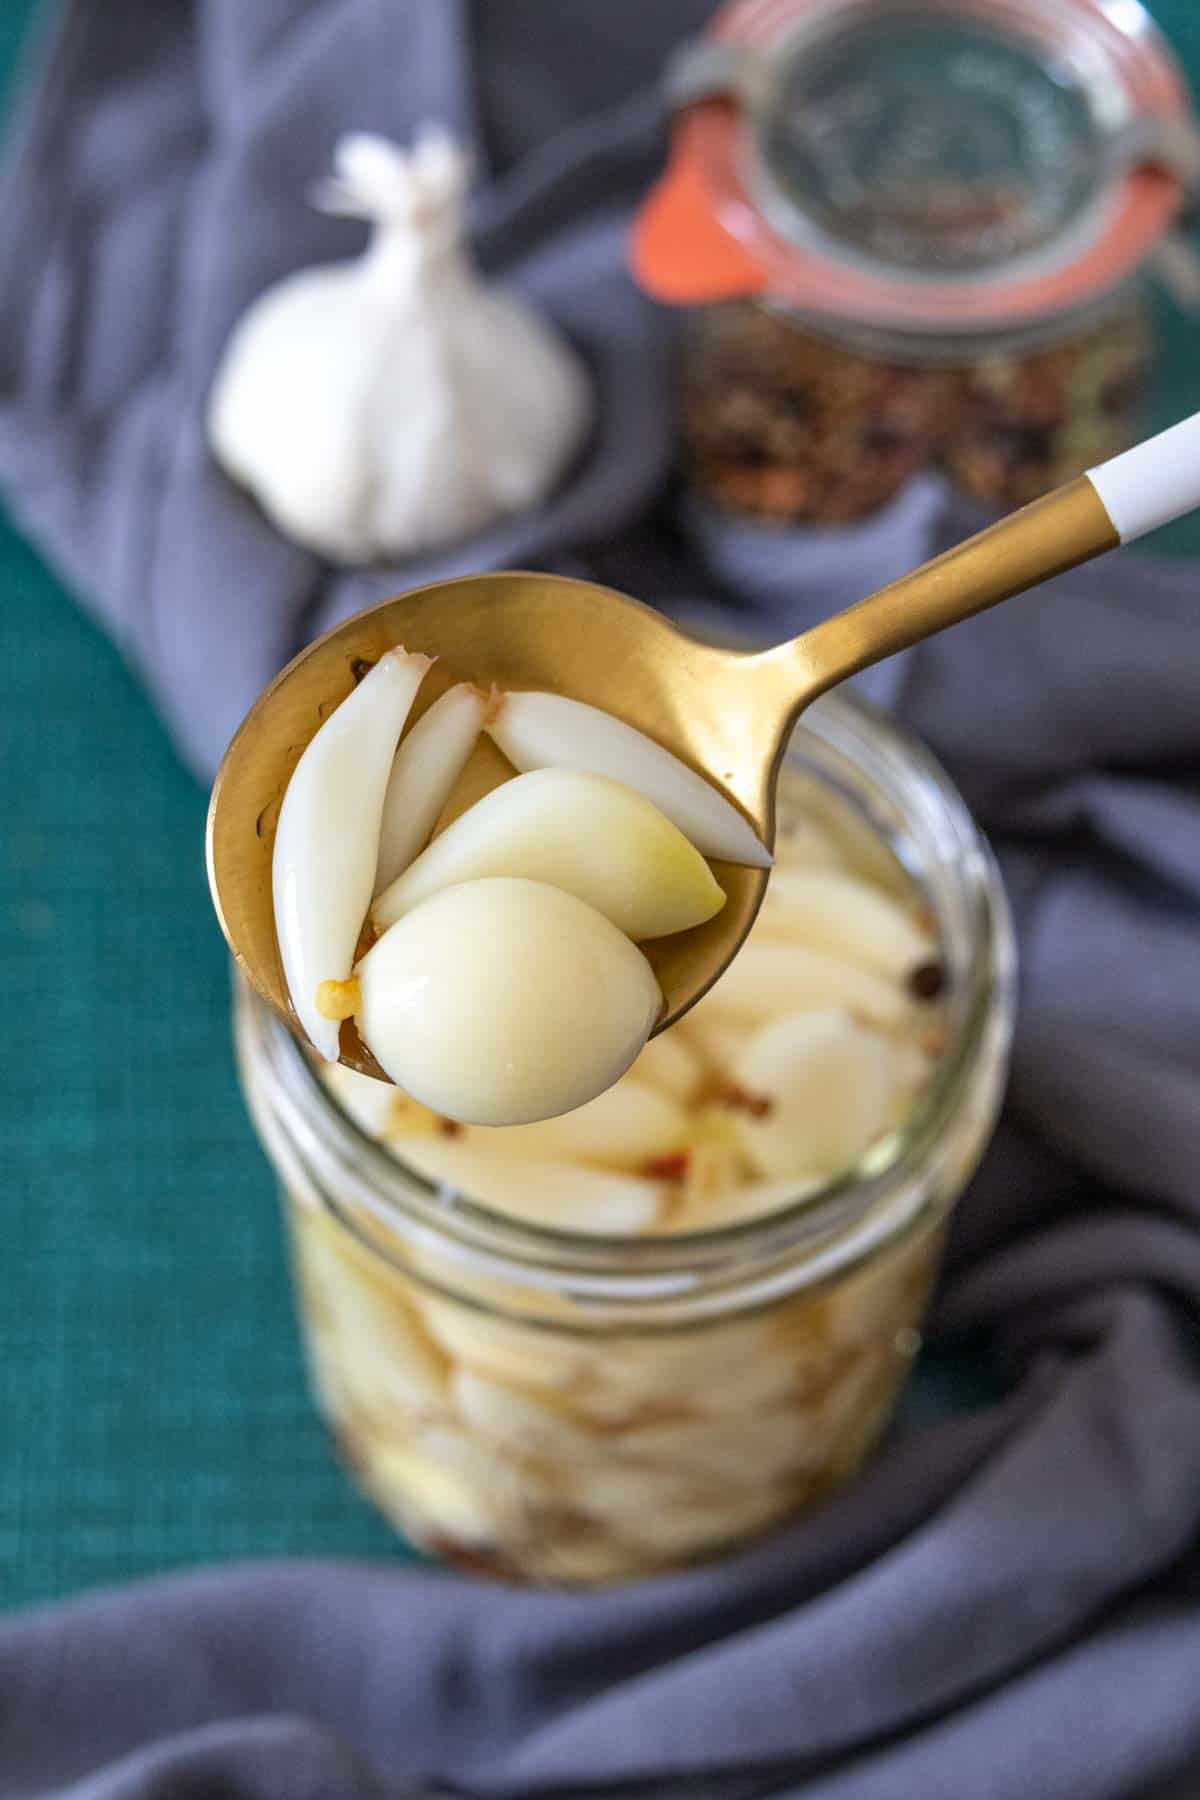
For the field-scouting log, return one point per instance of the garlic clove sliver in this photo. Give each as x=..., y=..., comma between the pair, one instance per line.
x=766, y=978
x=428, y=763
x=622, y=1128
x=829, y=910
x=828, y=1085
x=537, y=731
x=327, y=840
x=501, y=1001
x=559, y=1195
x=597, y=839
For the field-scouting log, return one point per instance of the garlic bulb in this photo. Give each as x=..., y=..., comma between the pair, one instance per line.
x=384, y=405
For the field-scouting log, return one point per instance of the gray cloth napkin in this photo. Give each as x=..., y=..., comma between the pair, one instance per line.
x=1006, y=1604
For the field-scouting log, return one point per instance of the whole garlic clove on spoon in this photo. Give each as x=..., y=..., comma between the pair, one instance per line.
x=327, y=839
x=598, y=839
x=503, y=1000
x=427, y=765
x=539, y=731
x=380, y=406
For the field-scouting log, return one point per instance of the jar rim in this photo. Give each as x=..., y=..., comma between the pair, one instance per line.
x=670, y=1265
x=721, y=222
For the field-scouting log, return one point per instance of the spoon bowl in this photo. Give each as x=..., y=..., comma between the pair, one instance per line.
x=725, y=713
x=518, y=630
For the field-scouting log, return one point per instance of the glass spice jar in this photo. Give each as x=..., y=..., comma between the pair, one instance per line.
x=550, y=1406
x=913, y=236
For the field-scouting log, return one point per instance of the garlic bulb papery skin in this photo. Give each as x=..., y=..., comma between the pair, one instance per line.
x=327, y=839
x=538, y=731
x=385, y=405
x=503, y=1001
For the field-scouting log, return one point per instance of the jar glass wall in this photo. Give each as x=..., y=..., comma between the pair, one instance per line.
x=559, y=1407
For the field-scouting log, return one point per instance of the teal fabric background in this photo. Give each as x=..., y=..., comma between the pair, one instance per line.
x=152, y=1405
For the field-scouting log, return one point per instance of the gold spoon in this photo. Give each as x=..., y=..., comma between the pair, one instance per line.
x=726, y=713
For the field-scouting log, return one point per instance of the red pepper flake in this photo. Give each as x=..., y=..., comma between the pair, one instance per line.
x=669, y=1168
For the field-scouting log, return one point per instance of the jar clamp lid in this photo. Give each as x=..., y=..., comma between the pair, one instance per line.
x=935, y=167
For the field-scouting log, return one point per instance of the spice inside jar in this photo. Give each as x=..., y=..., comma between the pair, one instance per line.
x=781, y=424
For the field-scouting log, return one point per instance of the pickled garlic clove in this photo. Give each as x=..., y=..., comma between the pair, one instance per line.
x=522, y=1356
x=828, y=1085
x=751, y=1200
x=446, y=1501
x=828, y=910
x=771, y=1443
x=715, y=1037
x=592, y=837
x=559, y=1195
x=622, y=1128
x=370, y=1103
x=668, y=1065
x=688, y=1525
x=804, y=843
x=503, y=1001
x=327, y=841
x=538, y=731
x=767, y=978
x=428, y=763
x=518, y=1422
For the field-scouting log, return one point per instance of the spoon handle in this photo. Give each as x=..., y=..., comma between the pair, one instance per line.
x=1113, y=504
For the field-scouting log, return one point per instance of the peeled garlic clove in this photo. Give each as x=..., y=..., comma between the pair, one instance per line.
x=717, y=1037
x=656, y=1371
x=668, y=1065
x=446, y=1501
x=576, y=1561
x=537, y=731
x=428, y=763
x=755, y=1200
x=369, y=1102
x=829, y=1086
x=828, y=910
x=769, y=1443
x=622, y=1128
x=514, y=1421
x=701, y=1523
x=594, y=838
x=503, y=1001
x=522, y=1356
x=560, y=1195
x=803, y=843
x=327, y=840
x=768, y=978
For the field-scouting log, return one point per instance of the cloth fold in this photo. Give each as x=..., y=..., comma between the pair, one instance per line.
x=1005, y=1603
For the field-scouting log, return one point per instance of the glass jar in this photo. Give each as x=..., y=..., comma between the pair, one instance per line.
x=913, y=236
x=554, y=1407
